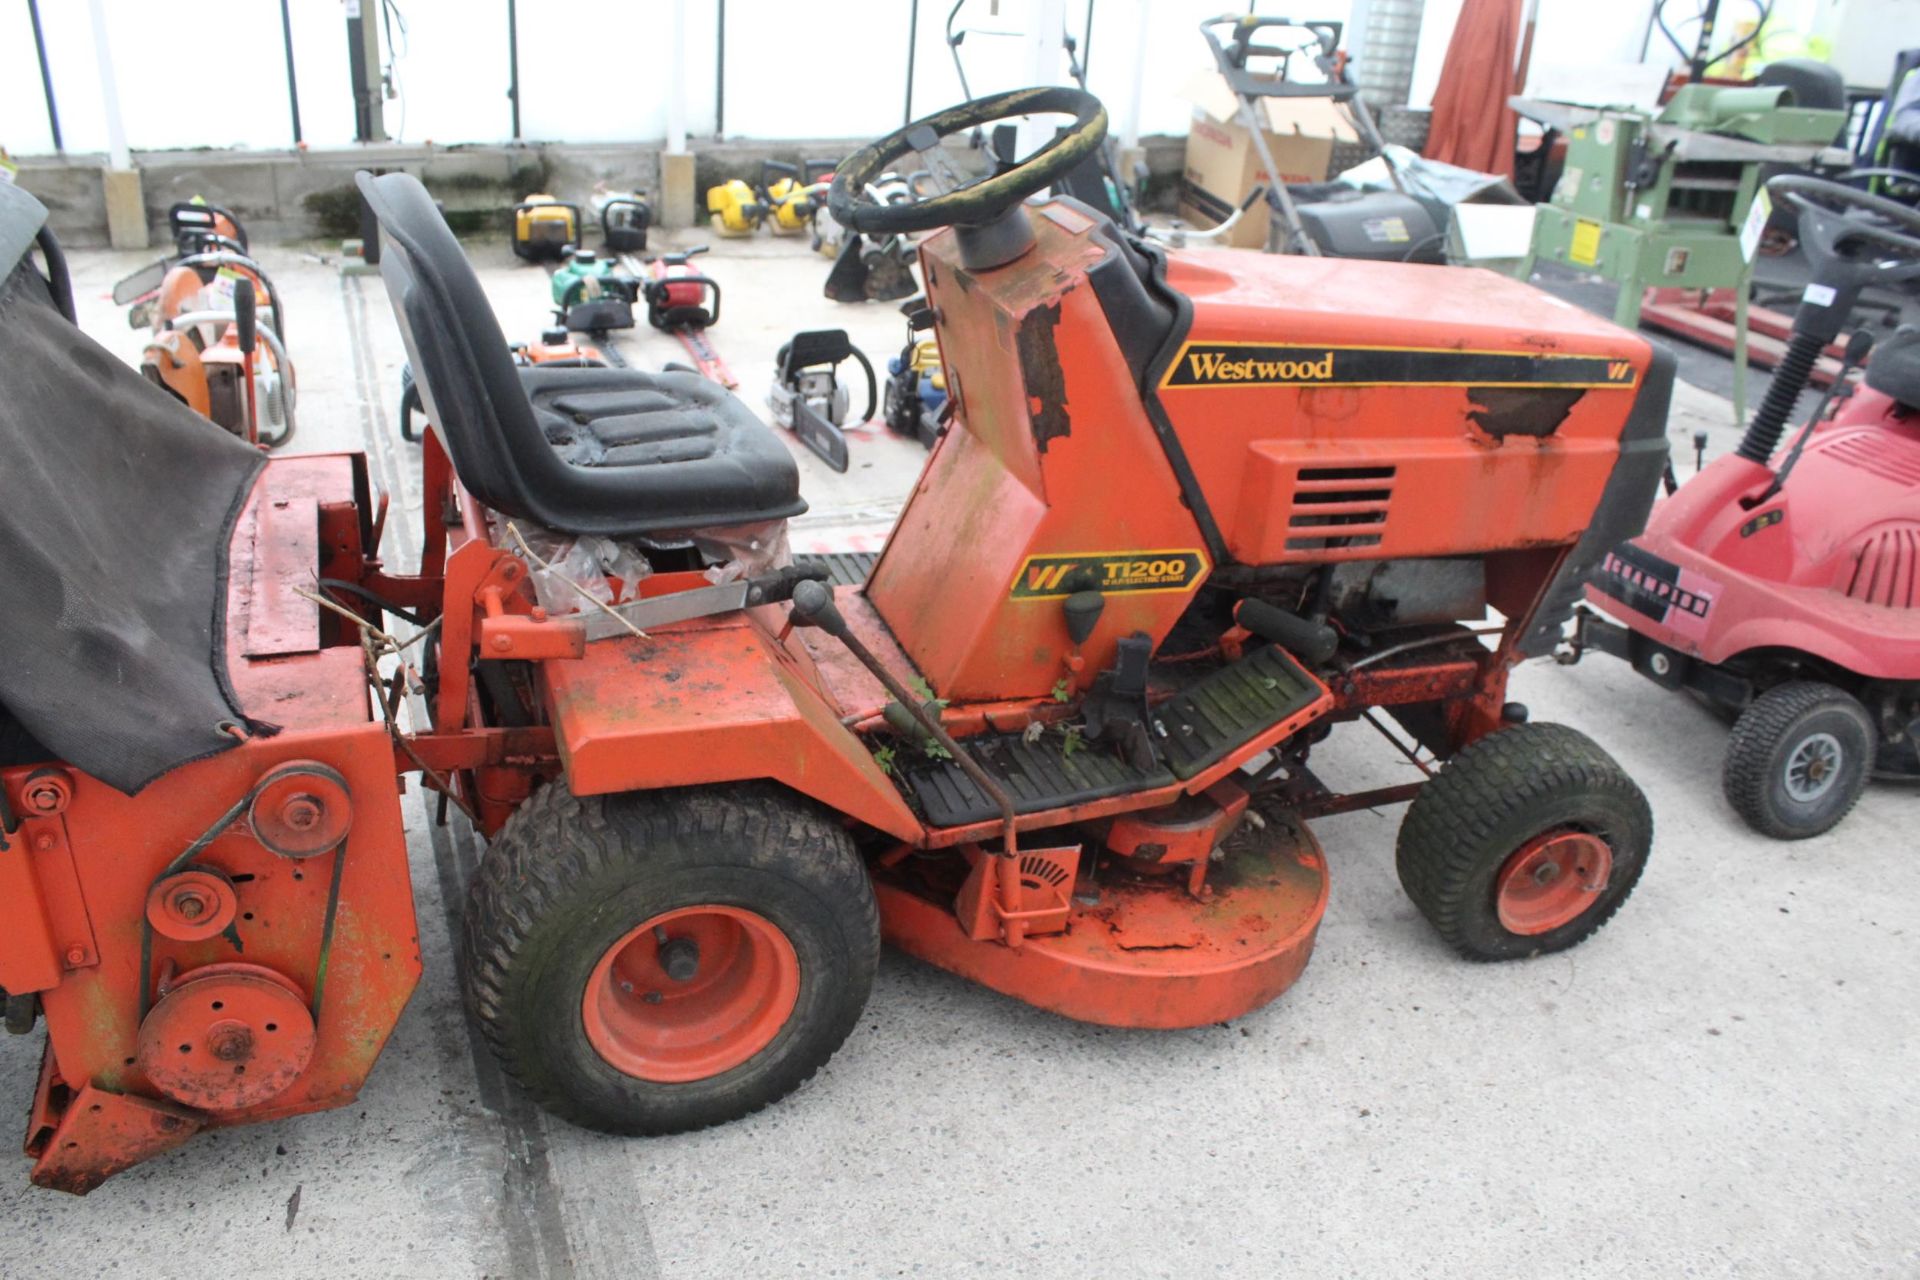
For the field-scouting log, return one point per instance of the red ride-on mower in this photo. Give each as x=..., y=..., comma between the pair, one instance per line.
x=1787, y=594
x=1192, y=511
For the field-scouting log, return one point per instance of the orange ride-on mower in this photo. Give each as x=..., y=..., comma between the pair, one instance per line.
x=1192, y=511
x=1784, y=593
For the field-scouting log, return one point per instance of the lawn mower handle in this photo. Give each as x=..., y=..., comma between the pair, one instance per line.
x=1178, y=235
x=813, y=606
x=1231, y=57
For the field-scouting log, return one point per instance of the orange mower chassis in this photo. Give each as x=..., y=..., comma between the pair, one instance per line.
x=1054, y=720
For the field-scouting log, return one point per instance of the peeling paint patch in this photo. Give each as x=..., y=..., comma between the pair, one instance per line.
x=1046, y=382
x=1522, y=411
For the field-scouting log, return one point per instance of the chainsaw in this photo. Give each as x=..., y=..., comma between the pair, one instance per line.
x=624, y=219
x=683, y=302
x=807, y=396
x=870, y=270
x=916, y=398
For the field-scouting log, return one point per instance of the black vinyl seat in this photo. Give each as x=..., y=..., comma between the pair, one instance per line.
x=1895, y=367
x=613, y=452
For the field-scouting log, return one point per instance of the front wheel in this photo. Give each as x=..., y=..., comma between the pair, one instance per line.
x=657, y=962
x=1798, y=759
x=1525, y=843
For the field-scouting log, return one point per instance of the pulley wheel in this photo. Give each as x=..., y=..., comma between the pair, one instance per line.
x=227, y=1037
x=301, y=810
x=191, y=905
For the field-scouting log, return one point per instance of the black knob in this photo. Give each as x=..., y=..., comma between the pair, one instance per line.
x=813, y=606
x=1083, y=609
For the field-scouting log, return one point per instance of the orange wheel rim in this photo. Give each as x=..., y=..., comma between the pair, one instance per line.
x=691, y=993
x=1551, y=880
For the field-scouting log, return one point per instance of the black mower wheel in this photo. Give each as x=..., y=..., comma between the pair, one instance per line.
x=1525, y=843
x=656, y=962
x=1798, y=759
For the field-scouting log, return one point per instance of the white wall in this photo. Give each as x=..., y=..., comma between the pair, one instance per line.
x=1868, y=33
x=588, y=72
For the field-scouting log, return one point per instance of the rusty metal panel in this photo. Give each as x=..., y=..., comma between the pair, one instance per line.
x=713, y=700
x=101, y=1133
x=29, y=960
x=276, y=550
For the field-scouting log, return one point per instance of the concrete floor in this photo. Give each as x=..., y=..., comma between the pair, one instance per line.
x=1718, y=1084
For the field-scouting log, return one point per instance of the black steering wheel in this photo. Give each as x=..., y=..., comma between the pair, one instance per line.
x=1853, y=238
x=966, y=204
x=1831, y=225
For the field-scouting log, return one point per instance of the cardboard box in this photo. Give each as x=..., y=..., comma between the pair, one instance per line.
x=1222, y=165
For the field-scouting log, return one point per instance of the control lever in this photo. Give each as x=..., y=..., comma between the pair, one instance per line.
x=1178, y=234
x=813, y=606
x=246, y=329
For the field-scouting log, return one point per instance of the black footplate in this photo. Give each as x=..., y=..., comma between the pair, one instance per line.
x=844, y=568
x=1037, y=775
x=1201, y=725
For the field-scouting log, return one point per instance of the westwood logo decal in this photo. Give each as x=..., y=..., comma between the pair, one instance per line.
x=1051, y=577
x=1215, y=366
x=1249, y=364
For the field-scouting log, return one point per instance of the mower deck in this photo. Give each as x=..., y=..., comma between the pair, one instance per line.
x=1138, y=951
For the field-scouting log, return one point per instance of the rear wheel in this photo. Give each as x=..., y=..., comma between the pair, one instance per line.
x=657, y=962
x=1798, y=759
x=1524, y=843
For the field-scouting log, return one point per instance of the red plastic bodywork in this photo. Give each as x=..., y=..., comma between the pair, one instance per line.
x=1828, y=567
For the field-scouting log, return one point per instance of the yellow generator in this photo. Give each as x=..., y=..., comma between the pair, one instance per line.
x=545, y=229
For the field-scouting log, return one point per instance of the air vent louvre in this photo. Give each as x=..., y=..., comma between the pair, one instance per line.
x=1337, y=509
x=1884, y=568
x=1880, y=454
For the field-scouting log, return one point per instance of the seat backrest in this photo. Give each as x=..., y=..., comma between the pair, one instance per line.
x=461, y=362
x=1895, y=370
